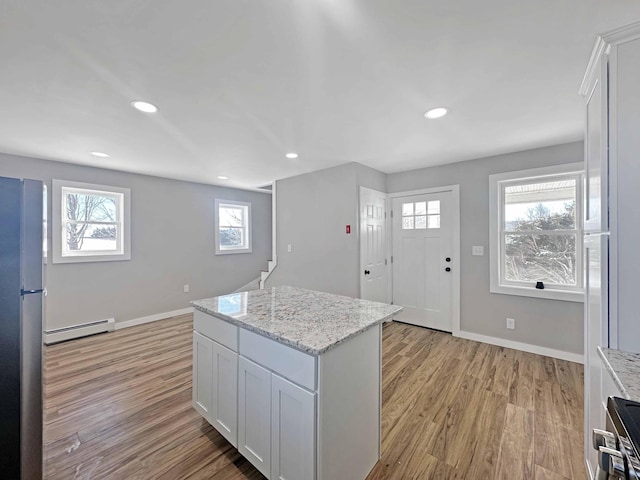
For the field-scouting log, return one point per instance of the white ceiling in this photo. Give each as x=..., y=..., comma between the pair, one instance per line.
x=240, y=83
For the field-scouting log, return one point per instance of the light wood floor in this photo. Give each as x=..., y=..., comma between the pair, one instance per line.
x=118, y=406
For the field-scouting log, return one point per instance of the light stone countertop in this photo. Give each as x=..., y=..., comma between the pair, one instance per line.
x=307, y=320
x=624, y=368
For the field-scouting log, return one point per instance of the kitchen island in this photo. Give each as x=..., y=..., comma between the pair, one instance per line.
x=292, y=379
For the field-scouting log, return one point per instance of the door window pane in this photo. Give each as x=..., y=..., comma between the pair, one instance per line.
x=407, y=209
x=433, y=221
x=407, y=223
x=421, y=208
x=434, y=207
x=421, y=221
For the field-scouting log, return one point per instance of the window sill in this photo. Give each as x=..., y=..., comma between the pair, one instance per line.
x=547, y=293
x=234, y=251
x=91, y=258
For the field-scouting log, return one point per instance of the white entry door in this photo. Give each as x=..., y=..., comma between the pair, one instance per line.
x=423, y=262
x=373, y=262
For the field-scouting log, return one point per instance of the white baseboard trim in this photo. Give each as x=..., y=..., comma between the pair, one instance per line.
x=525, y=347
x=77, y=331
x=152, y=318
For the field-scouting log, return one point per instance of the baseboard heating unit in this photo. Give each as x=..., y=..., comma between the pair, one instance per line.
x=77, y=331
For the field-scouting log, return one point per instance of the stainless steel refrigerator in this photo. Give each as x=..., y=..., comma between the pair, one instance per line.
x=21, y=328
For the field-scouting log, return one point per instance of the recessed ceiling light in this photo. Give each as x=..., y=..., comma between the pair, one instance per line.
x=222, y=177
x=291, y=155
x=145, y=107
x=436, y=112
x=99, y=154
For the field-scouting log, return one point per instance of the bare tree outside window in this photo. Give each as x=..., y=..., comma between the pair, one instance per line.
x=90, y=217
x=233, y=227
x=537, y=249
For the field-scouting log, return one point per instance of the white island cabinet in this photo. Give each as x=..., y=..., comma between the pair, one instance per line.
x=292, y=379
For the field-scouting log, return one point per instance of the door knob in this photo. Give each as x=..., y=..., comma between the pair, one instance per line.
x=448, y=269
x=367, y=272
x=448, y=259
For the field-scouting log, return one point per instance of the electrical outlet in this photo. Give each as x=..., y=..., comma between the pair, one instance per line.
x=289, y=248
x=186, y=289
x=511, y=323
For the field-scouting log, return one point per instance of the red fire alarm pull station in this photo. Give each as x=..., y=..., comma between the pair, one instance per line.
x=348, y=229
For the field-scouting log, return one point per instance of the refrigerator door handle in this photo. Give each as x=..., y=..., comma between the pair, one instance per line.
x=24, y=292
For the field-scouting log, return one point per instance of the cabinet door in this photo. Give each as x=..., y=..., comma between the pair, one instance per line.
x=596, y=334
x=254, y=414
x=596, y=215
x=293, y=433
x=224, y=406
x=202, y=381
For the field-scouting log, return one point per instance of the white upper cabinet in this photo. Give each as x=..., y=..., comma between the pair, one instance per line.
x=596, y=217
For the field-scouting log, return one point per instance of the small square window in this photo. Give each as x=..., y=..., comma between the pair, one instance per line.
x=233, y=227
x=421, y=208
x=407, y=209
x=407, y=223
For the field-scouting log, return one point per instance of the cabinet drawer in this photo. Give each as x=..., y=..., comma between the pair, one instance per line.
x=288, y=362
x=222, y=332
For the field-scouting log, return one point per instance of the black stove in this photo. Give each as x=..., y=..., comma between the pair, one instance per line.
x=619, y=448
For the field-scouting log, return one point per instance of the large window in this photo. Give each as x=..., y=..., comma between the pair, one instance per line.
x=536, y=232
x=233, y=227
x=91, y=222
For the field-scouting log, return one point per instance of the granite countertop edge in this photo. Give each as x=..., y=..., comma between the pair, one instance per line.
x=285, y=341
x=624, y=369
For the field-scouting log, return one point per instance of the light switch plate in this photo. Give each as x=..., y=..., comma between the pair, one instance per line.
x=477, y=250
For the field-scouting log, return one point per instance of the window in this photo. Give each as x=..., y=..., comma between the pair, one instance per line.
x=536, y=232
x=233, y=227
x=421, y=215
x=91, y=222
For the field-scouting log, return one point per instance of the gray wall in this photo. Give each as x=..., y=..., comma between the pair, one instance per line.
x=548, y=323
x=313, y=209
x=172, y=244
x=312, y=212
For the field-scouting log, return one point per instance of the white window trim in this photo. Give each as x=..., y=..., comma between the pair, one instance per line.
x=495, y=238
x=231, y=251
x=57, y=223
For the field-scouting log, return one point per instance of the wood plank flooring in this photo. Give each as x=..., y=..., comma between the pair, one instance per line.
x=118, y=406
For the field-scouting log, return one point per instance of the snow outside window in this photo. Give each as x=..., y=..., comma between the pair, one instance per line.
x=91, y=222
x=536, y=232
x=233, y=227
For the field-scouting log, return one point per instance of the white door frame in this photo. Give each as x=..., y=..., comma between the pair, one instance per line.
x=455, y=234
x=387, y=227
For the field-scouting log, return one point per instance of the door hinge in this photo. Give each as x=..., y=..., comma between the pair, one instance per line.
x=391, y=212
x=385, y=261
x=391, y=258
x=385, y=214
